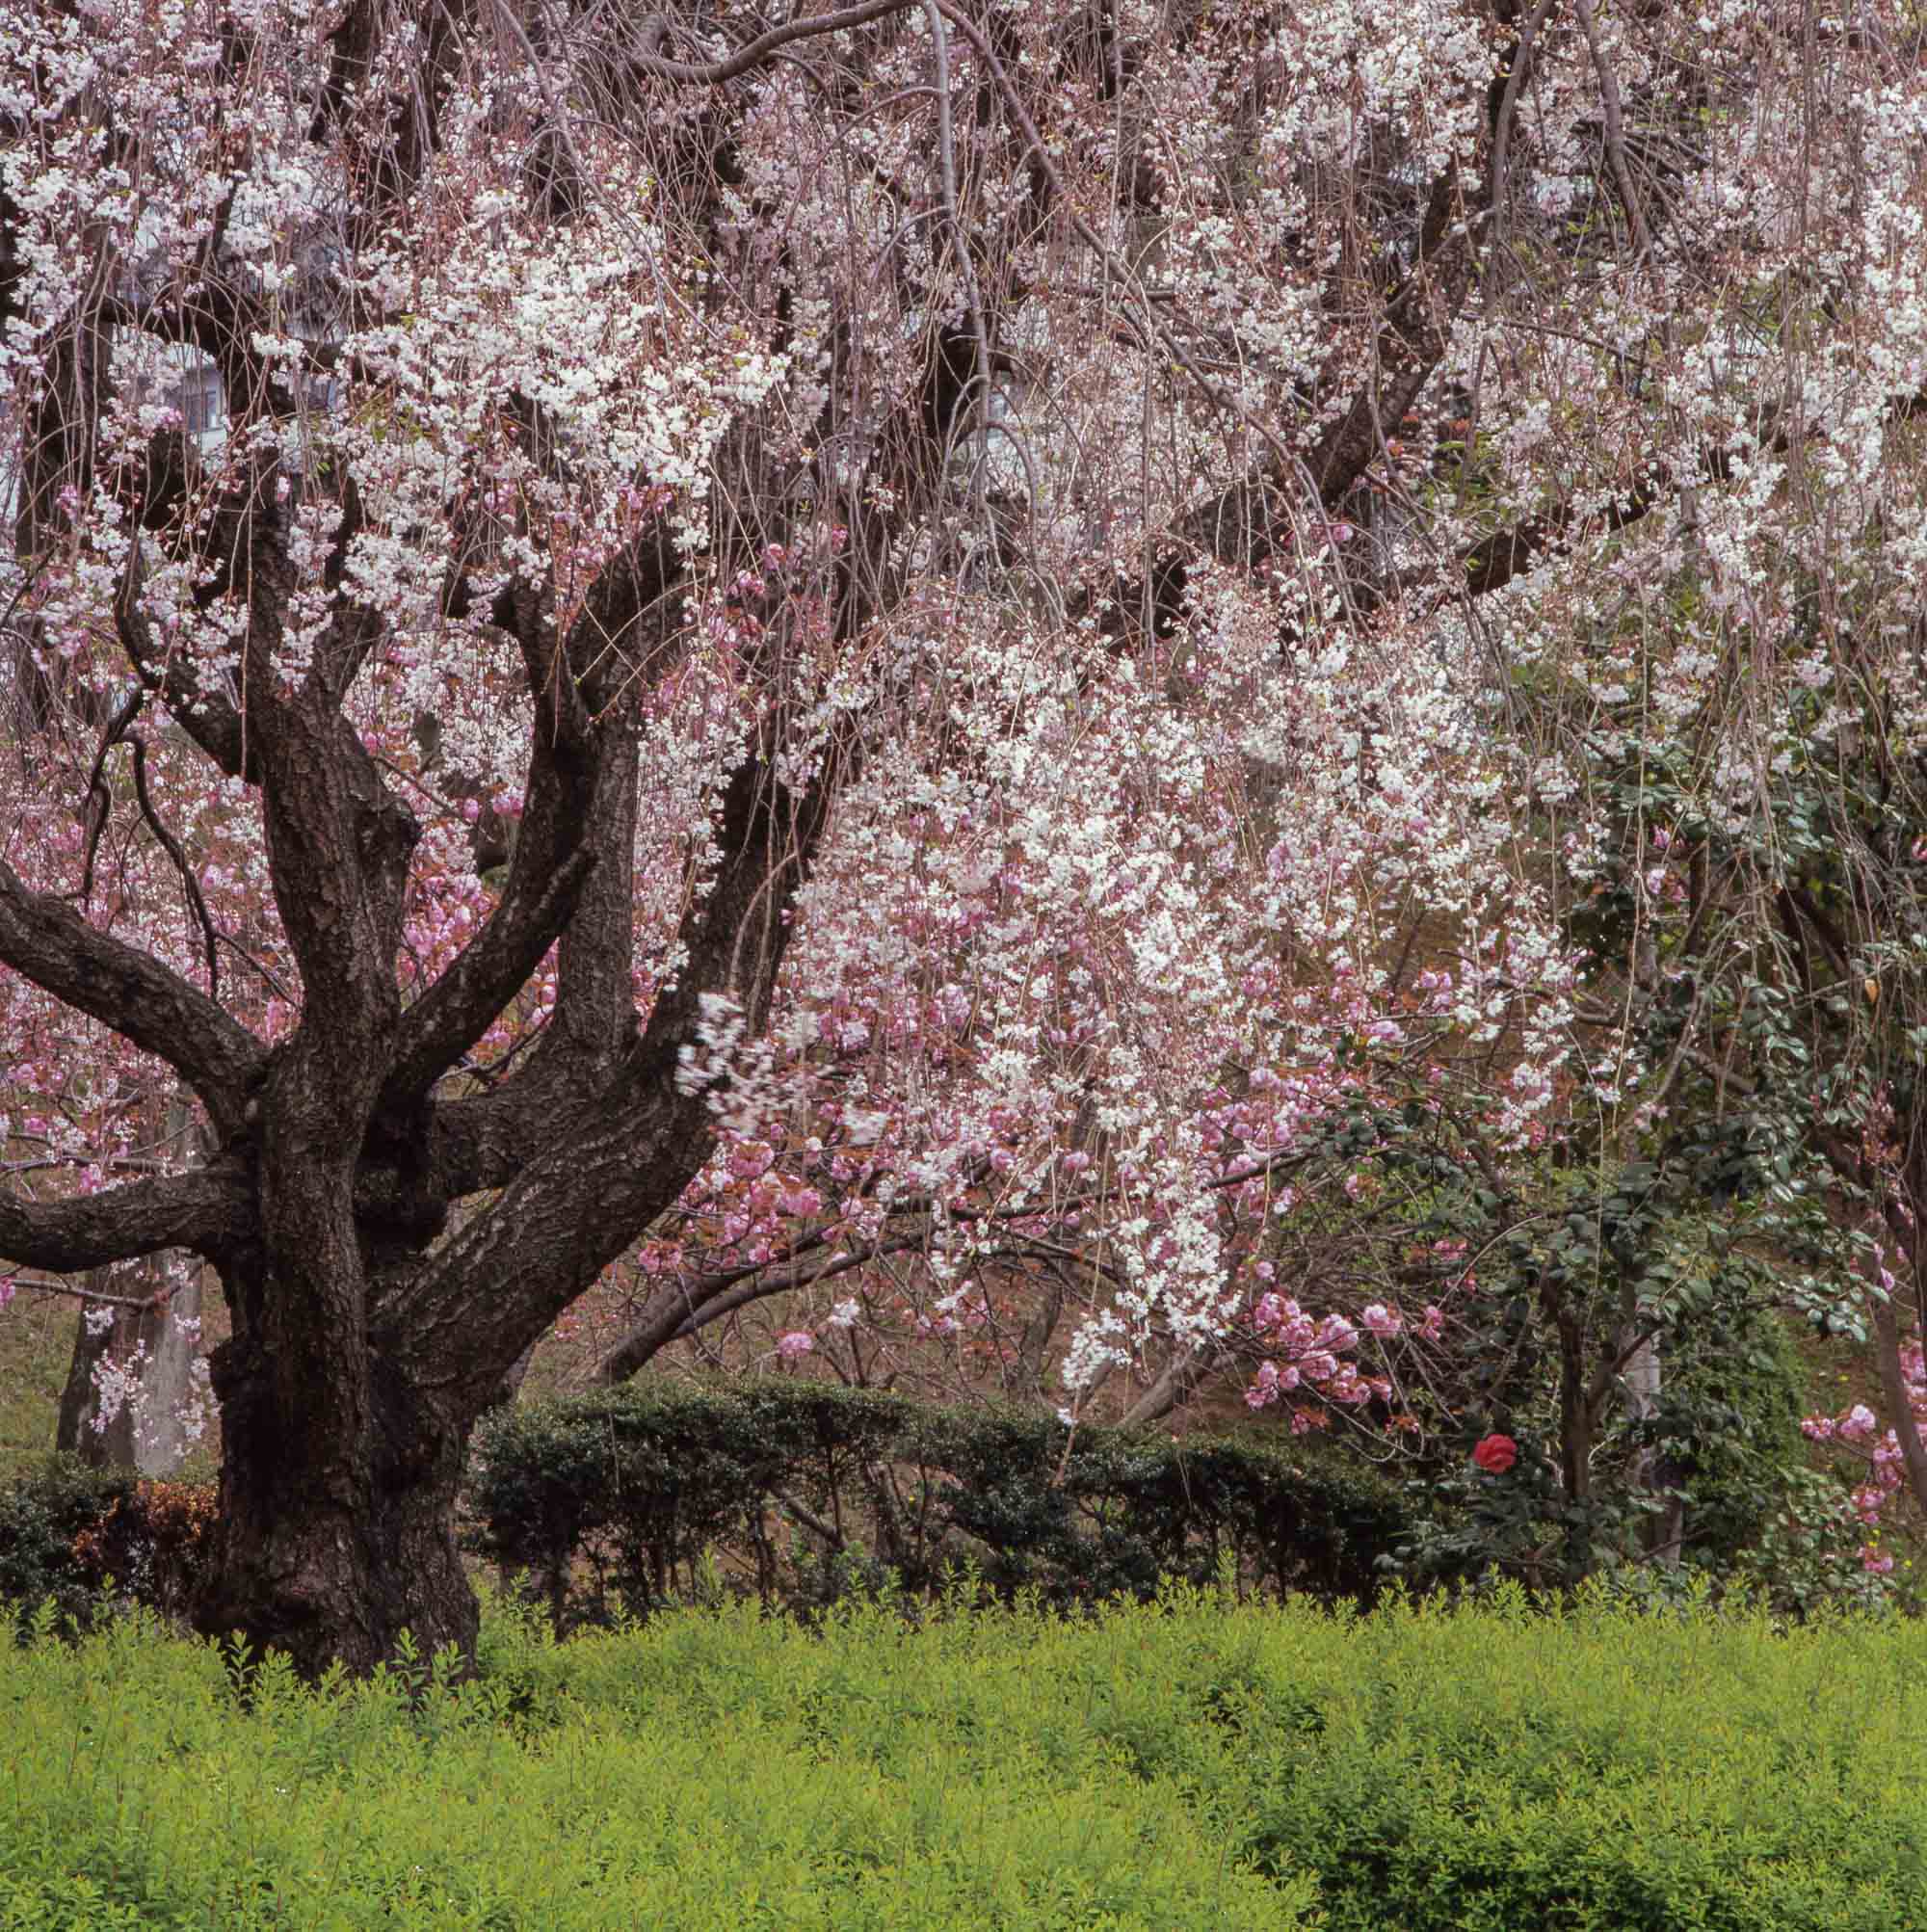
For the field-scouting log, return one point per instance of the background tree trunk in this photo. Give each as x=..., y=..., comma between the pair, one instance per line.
x=149, y=1433
x=1656, y=1474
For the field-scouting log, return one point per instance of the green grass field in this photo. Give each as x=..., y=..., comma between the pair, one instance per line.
x=1193, y=1764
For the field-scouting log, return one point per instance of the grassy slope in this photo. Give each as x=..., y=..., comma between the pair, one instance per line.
x=36, y=1346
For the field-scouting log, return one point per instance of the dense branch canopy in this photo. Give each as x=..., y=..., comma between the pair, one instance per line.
x=943, y=636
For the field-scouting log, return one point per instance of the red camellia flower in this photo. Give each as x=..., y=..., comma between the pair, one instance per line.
x=1496, y=1454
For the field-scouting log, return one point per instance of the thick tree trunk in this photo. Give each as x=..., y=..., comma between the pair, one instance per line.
x=330, y=1550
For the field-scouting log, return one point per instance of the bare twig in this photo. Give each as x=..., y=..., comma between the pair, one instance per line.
x=172, y=846
x=1615, y=137
x=712, y=73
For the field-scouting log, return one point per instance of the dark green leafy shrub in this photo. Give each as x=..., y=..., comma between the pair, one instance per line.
x=1724, y=1443
x=1730, y=1425
x=68, y=1531
x=148, y=1544
x=43, y=1511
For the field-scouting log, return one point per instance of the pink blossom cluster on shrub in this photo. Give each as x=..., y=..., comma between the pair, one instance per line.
x=1858, y=1432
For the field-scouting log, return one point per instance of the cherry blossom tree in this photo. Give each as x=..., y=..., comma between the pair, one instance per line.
x=979, y=672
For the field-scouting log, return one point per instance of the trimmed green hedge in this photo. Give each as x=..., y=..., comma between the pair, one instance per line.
x=1187, y=1763
x=615, y=1502
x=803, y=1494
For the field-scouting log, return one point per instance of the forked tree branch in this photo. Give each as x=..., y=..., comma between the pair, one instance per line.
x=208, y=1210
x=575, y=1209
x=46, y=942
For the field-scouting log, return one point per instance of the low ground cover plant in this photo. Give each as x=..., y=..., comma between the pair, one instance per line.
x=1189, y=1762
